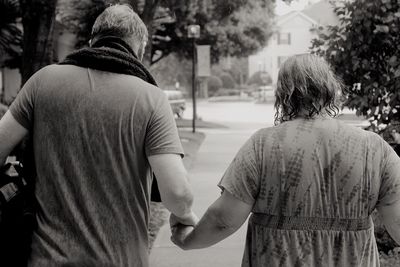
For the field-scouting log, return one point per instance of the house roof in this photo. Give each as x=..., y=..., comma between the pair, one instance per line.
x=322, y=12
x=284, y=18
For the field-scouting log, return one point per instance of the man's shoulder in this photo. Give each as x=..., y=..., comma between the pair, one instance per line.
x=146, y=91
x=55, y=68
x=55, y=71
x=123, y=79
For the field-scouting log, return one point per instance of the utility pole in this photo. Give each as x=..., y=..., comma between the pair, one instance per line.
x=193, y=34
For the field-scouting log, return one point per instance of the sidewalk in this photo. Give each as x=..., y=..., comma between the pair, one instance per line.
x=214, y=156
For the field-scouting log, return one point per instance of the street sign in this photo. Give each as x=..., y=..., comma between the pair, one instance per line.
x=194, y=31
x=203, y=61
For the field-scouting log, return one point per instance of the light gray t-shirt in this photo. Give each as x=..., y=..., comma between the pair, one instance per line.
x=92, y=134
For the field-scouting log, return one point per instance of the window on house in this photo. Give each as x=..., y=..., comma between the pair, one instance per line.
x=284, y=38
x=281, y=59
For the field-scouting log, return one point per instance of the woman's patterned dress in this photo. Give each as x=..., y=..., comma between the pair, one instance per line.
x=313, y=185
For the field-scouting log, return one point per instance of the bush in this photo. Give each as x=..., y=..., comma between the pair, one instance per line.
x=227, y=92
x=392, y=259
x=214, y=84
x=227, y=81
x=260, y=78
x=383, y=240
x=363, y=50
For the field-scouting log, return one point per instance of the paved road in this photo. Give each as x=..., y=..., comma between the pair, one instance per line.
x=214, y=156
x=232, y=112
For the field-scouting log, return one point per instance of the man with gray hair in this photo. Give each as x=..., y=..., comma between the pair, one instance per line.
x=100, y=128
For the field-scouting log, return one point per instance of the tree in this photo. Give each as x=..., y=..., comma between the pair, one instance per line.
x=237, y=67
x=10, y=33
x=32, y=50
x=364, y=50
x=172, y=70
x=236, y=28
x=38, y=17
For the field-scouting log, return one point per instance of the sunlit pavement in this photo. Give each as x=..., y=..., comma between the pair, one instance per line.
x=232, y=112
x=220, y=146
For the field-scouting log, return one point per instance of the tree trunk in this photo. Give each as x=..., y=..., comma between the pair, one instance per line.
x=148, y=16
x=38, y=18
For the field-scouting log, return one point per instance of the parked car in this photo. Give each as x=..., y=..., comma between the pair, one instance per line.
x=265, y=93
x=177, y=101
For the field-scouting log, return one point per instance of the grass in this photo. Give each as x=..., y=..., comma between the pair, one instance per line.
x=159, y=215
x=391, y=259
x=186, y=123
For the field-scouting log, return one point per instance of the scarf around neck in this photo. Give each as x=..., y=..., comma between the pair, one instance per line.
x=111, y=54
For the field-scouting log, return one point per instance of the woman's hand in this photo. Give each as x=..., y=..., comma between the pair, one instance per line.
x=182, y=227
x=179, y=234
x=189, y=220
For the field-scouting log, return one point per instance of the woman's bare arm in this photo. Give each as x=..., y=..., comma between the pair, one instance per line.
x=222, y=219
x=390, y=215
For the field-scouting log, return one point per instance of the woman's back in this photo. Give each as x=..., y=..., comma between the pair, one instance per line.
x=310, y=183
x=319, y=181
x=320, y=168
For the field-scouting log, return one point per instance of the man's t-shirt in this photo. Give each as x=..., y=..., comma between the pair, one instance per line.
x=93, y=132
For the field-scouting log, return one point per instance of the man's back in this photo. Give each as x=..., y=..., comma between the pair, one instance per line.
x=92, y=134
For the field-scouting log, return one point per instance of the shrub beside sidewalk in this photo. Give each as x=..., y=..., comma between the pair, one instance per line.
x=389, y=252
x=159, y=215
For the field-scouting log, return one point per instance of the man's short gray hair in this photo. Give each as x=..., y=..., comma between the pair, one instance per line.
x=120, y=21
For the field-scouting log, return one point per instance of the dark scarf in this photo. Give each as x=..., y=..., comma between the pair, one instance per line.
x=112, y=54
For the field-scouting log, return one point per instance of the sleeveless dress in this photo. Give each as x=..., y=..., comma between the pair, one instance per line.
x=313, y=185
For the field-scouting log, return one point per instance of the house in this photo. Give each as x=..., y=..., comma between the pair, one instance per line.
x=293, y=35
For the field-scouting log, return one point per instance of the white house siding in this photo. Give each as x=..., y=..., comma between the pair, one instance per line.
x=298, y=25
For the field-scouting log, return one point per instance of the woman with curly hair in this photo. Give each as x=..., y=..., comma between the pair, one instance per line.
x=310, y=182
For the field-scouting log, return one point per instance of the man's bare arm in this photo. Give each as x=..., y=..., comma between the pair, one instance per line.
x=175, y=190
x=390, y=216
x=222, y=219
x=11, y=134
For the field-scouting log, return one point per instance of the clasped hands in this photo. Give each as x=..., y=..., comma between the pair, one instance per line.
x=181, y=228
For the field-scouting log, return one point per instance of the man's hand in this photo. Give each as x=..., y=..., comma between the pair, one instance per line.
x=190, y=220
x=181, y=227
x=221, y=219
x=179, y=234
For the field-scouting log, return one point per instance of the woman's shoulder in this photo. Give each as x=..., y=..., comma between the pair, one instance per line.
x=264, y=132
x=371, y=139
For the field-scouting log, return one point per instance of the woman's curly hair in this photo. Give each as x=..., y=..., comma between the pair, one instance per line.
x=307, y=87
